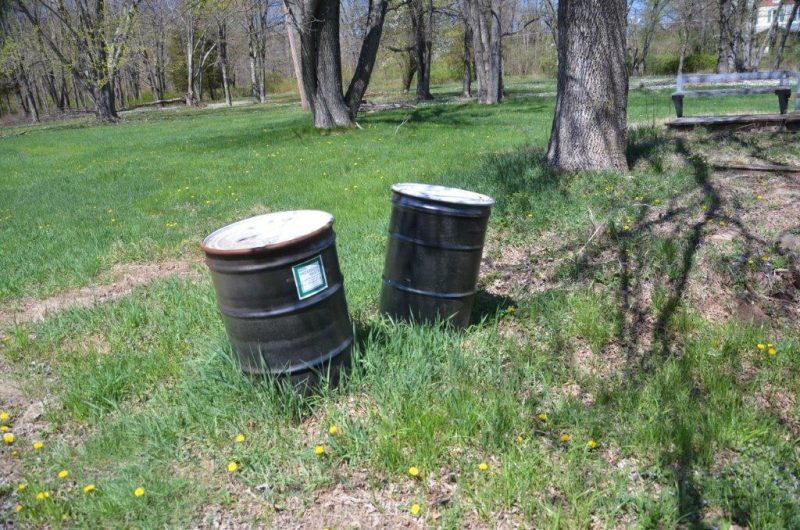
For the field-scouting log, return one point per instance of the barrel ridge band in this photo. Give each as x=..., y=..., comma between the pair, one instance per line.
x=412, y=203
x=431, y=244
x=400, y=287
x=247, y=314
x=234, y=266
x=303, y=366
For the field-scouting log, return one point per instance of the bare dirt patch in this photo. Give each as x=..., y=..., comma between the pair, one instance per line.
x=124, y=278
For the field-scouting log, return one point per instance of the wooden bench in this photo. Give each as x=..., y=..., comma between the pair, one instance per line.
x=783, y=90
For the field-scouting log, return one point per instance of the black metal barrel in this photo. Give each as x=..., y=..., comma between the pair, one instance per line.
x=281, y=294
x=436, y=237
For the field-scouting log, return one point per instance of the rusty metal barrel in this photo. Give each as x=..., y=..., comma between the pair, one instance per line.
x=281, y=294
x=436, y=237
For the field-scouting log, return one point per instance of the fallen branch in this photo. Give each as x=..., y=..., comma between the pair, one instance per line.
x=757, y=167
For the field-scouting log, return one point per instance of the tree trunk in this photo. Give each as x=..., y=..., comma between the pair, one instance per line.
x=103, y=97
x=291, y=32
x=776, y=65
x=190, y=75
x=725, y=56
x=222, y=47
x=590, y=123
x=421, y=19
x=409, y=69
x=366, y=58
x=484, y=17
x=467, y=80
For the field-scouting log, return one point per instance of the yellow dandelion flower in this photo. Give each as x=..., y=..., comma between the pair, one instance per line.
x=333, y=430
x=37, y=445
x=591, y=444
x=4, y=428
x=772, y=351
x=565, y=438
x=759, y=197
x=4, y=415
x=520, y=439
x=239, y=438
x=88, y=488
x=63, y=473
x=764, y=258
x=770, y=345
x=138, y=492
x=22, y=486
x=42, y=495
x=760, y=346
x=18, y=508
x=413, y=471
x=8, y=438
x=15, y=453
x=319, y=450
x=415, y=509
x=542, y=416
x=483, y=466
x=232, y=466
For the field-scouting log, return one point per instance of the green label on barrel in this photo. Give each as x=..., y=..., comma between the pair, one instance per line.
x=309, y=277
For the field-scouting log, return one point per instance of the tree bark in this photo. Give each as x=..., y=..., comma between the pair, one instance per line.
x=467, y=79
x=725, y=56
x=590, y=123
x=484, y=19
x=222, y=48
x=776, y=65
x=367, y=56
x=291, y=32
x=421, y=22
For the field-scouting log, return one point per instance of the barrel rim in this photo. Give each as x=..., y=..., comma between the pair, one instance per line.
x=212, y=251
x=417, y=191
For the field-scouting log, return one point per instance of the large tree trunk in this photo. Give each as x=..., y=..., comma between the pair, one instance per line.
x=484, y=20
x=191, y=97
x=104, y=106
x=590, y=124
x=725, y=55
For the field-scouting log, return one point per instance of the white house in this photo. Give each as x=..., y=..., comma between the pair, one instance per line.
x=768, y=11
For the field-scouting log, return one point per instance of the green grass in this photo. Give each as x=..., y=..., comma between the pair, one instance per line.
x=142, y=391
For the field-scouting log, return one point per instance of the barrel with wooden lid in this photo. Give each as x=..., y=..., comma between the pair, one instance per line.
x=436, y=237
x=281, y=294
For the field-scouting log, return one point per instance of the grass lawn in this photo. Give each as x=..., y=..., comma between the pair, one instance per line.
x=625, y=309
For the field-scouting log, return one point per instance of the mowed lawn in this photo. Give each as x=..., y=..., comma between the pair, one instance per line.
x=141, y=392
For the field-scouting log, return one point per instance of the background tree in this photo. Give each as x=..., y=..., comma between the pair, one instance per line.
x=590, y=123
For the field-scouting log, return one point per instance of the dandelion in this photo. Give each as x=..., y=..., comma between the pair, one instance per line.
x=4, y=428
x=770, y=345
x=520, y=439
x=764, y=258
x=22, y=487
x=15, y=453
x=239, y=438
x=750, y=261
x=591, y=444
x=772, y=352
x=759, y=197
x=138, y=492
x=483, y=466
x=319, y=450
x=37, y=445
x=232, y=467
x=565, y=438
x=511, y=310
x=760, y=346
x=4, y=415
x=8, y=438
x=413, y=471
x=415, y=509
x=542, y=416
x=63, y=473
x=333, y=430
x=18, y=508
x=626, y=228
x=88, y=488
x=42, y=495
